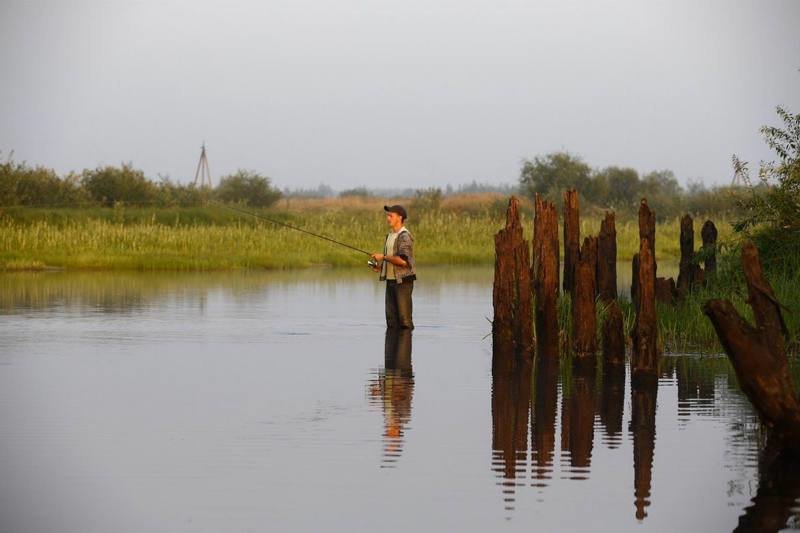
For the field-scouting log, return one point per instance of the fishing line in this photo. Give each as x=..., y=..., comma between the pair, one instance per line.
x=285, y=225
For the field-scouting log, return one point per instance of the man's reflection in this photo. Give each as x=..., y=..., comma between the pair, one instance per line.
x=393, y=389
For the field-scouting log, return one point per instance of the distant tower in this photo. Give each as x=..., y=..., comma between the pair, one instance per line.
x=202, y=176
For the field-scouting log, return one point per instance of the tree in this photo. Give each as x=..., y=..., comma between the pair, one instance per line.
x=622, y=186
x=247, y=187
x=110, y=185
x=553, y=173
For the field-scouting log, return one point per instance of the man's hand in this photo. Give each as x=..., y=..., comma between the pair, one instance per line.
x=377, y=257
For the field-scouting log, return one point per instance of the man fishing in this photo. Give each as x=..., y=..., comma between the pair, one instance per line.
x=396, y=266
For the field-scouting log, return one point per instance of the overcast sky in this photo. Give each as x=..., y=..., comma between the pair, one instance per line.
x=394, y=93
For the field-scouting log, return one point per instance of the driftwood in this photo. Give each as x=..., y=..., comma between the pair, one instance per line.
x=690, y=273
x=572, y=238
x=758, y=354
x=545, y=277
x=584, y=322
x=607, y=260
x=512, y=327
x=613, y=336
x=709, y=235
x=644, y=356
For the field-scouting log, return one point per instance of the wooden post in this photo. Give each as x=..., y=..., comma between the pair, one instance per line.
x=666, y=292
x=613, y=336
x=545, y=277
x=635, y=280
x=607, y=260
x=584, y=322
x=689, y=274
x=512, y=327
x=758, y=354
x=709, y=235
x=572, y=238
x=644, y=335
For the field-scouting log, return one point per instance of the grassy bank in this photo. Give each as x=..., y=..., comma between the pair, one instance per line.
x=214, y=238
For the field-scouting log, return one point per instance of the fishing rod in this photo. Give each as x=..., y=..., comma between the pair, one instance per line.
x=290, y=226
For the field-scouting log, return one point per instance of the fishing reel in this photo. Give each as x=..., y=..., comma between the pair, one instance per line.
x=372, y=263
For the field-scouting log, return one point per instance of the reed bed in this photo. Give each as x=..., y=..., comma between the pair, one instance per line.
x=216, y=239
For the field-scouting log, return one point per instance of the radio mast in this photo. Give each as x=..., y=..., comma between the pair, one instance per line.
x=202, y=175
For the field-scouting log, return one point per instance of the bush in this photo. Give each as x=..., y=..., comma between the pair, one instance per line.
x=247, y=187
x=427, y=200
x=37, y=186
x=111, y=185
x=359, y=192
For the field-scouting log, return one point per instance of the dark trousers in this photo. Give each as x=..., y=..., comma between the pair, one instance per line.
x=398, y=304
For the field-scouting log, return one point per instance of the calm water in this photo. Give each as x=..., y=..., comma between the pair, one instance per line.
x=276, y=402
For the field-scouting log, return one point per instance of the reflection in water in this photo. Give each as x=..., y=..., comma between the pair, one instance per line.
x=776, y=500
x=577, y=418
x=511, y=395
x=393, y=389
x=543, y=425
x=612, y=403
x=643, y=431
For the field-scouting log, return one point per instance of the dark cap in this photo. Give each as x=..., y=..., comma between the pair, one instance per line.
x=399, y=209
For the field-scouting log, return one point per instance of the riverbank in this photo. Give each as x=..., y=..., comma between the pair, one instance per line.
x=213, y=238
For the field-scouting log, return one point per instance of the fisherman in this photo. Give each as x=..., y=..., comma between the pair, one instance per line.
x=396, y=266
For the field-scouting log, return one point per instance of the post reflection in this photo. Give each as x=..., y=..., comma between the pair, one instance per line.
x=612, y=403
x=775, y=501
x=393, y=390
x=643, y=431
x=577, y=418
x=511, y=394
x=543, y=423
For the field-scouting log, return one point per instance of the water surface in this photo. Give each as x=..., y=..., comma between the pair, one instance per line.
x=277, y=401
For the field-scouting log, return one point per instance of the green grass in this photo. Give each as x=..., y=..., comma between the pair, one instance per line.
x=213, y=238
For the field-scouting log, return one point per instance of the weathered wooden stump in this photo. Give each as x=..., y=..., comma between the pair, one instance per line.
x=709, y=235
x=607, y=260
x=635, y=280
x=545, y=277
x=758, y=354
x=572, y=238
x=584, y=322
x=645, y=333
x=666, y=292
x=690, y=273
x=512, y=327
x=613, y=336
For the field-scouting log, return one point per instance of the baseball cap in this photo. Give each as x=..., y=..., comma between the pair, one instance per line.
x=399, y=209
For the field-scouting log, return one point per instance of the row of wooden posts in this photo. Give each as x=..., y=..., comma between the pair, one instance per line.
x=526, y=294
x=526, y=297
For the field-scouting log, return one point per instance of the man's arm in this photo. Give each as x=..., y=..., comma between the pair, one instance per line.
x=396, y=260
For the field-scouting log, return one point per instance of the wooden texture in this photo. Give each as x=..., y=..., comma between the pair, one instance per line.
x=613, y=336
x=607, y=259
x=584, y=321
x=690, y=273
x=512, y=326
x=644, y=337
x=572, y=238
x=709, y=235
x=758, y=354
x=666, y=291
x=545, y=277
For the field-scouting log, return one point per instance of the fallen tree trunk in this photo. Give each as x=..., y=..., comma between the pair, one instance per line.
x=758, y=354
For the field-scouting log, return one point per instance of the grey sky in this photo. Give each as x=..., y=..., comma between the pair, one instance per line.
x=411, y=93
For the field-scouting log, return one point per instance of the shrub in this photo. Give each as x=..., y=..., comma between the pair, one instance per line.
x=247, y=187
x=110, y=185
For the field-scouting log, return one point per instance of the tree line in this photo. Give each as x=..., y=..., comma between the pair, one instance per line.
x=107, y=186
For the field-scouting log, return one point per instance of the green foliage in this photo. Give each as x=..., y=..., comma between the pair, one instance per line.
x=774, y=204
x=21, y=184
x=111, y=185
x=247, y=187
x=554, y=173
x=426, y=200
